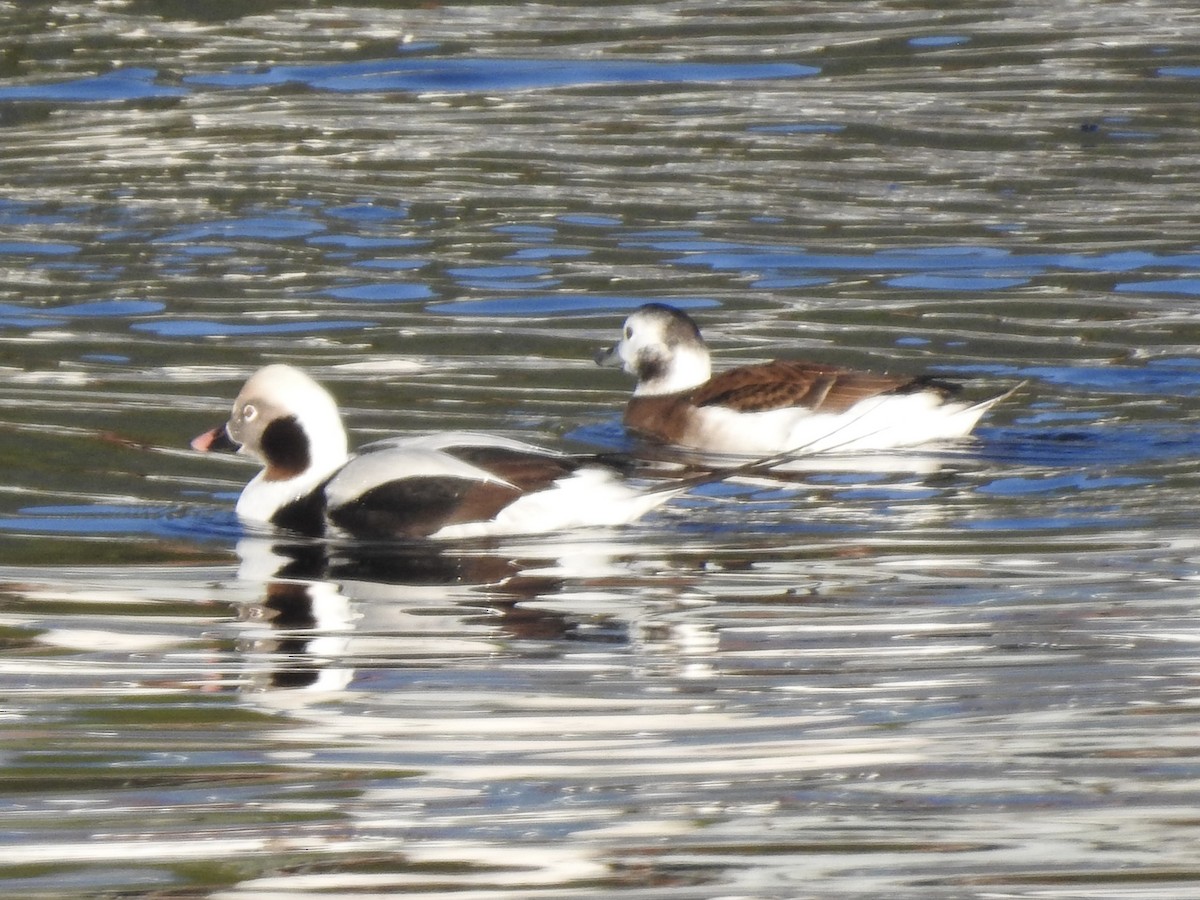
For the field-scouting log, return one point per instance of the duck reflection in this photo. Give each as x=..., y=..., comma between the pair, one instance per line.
x=328, y=610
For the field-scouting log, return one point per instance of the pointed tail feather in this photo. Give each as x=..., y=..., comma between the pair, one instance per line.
x=984, y=405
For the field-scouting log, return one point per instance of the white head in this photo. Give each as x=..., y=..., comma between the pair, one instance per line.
x=662, y=347
x=291, y=425
x=289, y=422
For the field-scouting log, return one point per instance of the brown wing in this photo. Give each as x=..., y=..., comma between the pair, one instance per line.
x=420, y=505
x=528, y=471
x=782, y=383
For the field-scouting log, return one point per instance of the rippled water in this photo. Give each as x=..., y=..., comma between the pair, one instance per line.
x=966, y=673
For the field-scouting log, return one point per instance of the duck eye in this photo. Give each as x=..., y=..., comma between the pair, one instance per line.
x=628, y=332
x=249, y=412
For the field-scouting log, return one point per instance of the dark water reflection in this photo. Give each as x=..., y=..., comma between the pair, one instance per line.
x=969, y=671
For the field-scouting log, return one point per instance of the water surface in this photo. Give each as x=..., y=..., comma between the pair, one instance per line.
x=967, y=672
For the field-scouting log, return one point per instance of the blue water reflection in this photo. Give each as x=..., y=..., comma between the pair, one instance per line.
x=1188, y=287
x=719, y=254
x=955, y=282
x=37, y=248
x=558, y=304
x=364, y=242
x=462, y=75
x=381, y=237
x=116, y=86
x=381, y=292
x=14, y=316
x=269, y=227
x=550, y=253
x=799, y=128
x=1053, y=484
x=966, y=269
x=1082, y=446
x=1161, y=377
x=108, y=519
x=406, y=73
x=368, y=212
x=391, y=265
x=180, y=328
x=1090, y=519
x=938, y=42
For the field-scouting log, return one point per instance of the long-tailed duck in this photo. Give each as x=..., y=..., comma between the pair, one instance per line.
x=437, y=486
x=776, y=407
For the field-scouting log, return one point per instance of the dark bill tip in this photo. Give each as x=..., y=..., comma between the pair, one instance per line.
x=608, y=357
x=215, y=441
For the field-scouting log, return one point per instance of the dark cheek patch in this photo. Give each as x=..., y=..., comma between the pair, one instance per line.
x=285, y=448
x=651, y=367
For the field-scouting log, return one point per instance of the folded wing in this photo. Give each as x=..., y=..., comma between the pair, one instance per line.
x=813, y=386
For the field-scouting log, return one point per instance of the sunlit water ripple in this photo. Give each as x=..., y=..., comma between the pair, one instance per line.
x=967, y=671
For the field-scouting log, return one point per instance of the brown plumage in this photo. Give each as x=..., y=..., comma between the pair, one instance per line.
x=526, y=471
x=678, y=400
x=782, y=383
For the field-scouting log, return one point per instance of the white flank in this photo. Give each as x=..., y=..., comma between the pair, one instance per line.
x=880, y=423
x=590, y=497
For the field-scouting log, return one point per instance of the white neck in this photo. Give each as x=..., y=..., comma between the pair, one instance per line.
x=329, y=453
x=261, y=499
x=690, y=367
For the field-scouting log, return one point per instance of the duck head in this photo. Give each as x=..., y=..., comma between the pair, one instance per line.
x=287, y=422
x=661, y=347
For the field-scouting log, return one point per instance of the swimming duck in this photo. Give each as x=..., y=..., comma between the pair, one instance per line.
x=774, y=407
x=454, y=485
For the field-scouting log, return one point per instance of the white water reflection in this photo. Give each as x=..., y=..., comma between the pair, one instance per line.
x=920, y=712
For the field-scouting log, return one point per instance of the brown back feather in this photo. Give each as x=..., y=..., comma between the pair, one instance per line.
x=527, y=471
x=784, y=383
